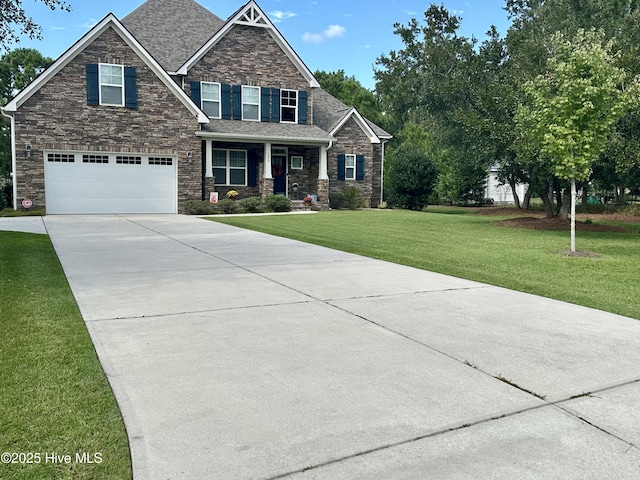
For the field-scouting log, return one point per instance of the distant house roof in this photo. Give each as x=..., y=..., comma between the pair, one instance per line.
x=172, y=30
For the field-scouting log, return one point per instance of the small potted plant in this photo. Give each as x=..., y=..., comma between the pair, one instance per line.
x=307, y=200
x=232, y=194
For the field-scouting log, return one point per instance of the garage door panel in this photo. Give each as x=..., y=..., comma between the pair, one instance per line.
x=78, y=187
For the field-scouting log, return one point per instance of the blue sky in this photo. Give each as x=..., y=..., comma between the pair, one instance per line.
x=327, y=34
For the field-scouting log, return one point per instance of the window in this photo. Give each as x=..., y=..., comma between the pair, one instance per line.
x=250, y=103
x=111, y=84
x=128, y=160
x=61, y=157
x=230, y=167
x=160, y=161
x=210, y=96
x=95, y=158
x=296, y=163
x=288, y=106
x=350, y=167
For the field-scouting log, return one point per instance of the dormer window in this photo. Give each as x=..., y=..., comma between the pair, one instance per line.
x=250, y=103
x=289, y=106
x=210, y=99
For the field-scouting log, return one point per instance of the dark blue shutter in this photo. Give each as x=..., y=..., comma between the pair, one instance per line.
x=341, y=166
x=236, y=95
x=93, y=95
x=195, y=94
x=302, y=107
x=225, y=94
x=359, y=167
x=275, y=105
x=130, y=88
x=265, y=93
x=252, y=169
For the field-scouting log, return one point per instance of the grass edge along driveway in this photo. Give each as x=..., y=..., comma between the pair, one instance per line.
x=462, y=243
x=58, y=416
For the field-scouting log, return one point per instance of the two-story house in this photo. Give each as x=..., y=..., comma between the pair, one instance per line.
x=172, y=103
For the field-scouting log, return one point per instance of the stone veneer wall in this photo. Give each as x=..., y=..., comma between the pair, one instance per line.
x=248, y=56
x=57, y=117
x=352, y=140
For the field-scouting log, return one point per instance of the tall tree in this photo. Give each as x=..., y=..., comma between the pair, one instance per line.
x=574, y=107
x=13, y=15
x=351, y=92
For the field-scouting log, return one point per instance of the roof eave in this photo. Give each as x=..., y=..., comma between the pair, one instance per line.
x=265, y=138
x=361, y=123
x=108, y=21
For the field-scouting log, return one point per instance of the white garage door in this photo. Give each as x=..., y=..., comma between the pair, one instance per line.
x=98, y=182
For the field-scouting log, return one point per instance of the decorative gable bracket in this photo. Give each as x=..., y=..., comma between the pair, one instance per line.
x=253, y=16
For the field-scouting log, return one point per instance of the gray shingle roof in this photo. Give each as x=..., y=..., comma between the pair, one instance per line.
x=172, y=30
x=328, y=111
x=284, y=132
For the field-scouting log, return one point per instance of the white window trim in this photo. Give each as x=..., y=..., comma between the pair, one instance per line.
x=297, y=157
x=250, y=103
x=295, y=108
x=348, y=168
x=100, y=84
x=228, y=167
x=202, y=99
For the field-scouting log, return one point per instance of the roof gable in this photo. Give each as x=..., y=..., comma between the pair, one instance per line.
x=251, y=15
x=171, y=30
x=110, y=21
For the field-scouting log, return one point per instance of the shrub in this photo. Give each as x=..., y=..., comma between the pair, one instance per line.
x=197, y=207
x=411, y=178
x=250, y=204
x=353, y=198
x=278, y=203
x=335, y=200
x=226, y=205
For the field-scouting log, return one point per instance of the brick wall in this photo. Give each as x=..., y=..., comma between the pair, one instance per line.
x=57, y=117
x=352, y=140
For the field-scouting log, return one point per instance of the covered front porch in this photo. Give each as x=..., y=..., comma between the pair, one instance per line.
x=261, y=159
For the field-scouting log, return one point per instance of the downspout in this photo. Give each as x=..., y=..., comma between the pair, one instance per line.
x=382, y=175
x=14, y=181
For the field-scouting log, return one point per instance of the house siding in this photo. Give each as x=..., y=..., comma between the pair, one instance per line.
x=352, y=140
x=248, y=56
x=57, y=117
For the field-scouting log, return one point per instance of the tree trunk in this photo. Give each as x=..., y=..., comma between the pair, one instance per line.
x=548, y=204
x=527, y=197
x=564, y=209
x=573, y=214
x=516, y=199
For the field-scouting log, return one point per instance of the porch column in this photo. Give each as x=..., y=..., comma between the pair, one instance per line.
x=323, y=175
x=208, y=163
x=323, y=181
x=267, y=178
x=267, y=160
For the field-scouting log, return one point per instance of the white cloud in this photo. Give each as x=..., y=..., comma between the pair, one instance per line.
x=332, y=31
x=312, y=37
x=279, y=15
x=90, y=23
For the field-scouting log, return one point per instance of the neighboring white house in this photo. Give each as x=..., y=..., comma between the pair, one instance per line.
x=501, y=194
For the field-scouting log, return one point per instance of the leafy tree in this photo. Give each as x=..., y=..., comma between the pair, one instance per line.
x=13, y=14
x=411, y=178
x=574, y=107
x=351, y=92
x=17, y=70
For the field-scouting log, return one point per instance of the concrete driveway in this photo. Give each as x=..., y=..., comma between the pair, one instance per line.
x=239, y=355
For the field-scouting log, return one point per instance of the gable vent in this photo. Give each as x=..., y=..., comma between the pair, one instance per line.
x=253, y=16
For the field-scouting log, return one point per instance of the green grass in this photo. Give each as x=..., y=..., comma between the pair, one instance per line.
x=461, y=243
x=54, y=396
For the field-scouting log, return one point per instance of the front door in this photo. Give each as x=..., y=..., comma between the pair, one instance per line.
x=279, y=173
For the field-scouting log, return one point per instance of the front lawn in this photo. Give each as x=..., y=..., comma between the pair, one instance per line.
x=57, y=411
x=461, y=243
